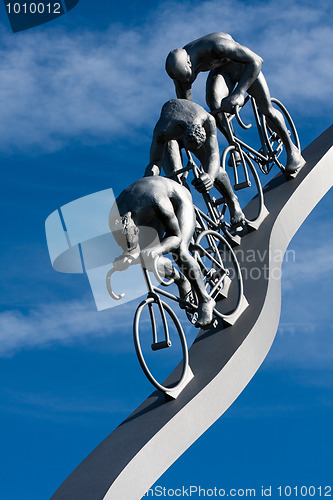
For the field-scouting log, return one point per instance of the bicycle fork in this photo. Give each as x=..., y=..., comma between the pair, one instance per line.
x=156, y=346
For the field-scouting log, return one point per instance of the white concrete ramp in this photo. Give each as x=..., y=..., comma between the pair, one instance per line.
x=136, y=454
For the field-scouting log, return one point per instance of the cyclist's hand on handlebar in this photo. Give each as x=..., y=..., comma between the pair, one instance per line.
x=229, y=103
x=152, y=169
x=204, y=183
x=149, y=254
x=123, y=262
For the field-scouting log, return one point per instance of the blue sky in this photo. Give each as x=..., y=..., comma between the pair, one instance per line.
x=79, y=98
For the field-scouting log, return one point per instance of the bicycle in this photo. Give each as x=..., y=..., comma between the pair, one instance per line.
x=240, y=156
x=209, y=250
x=212, y=214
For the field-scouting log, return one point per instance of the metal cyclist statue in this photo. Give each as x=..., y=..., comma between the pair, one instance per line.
x=165, y=206
x=185, y=240
x=185, y=124
x=233, y=71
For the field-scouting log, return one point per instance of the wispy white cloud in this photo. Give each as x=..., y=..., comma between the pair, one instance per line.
x=311, y=263
x=62, y=323
x=308, y=344
x=57, y=86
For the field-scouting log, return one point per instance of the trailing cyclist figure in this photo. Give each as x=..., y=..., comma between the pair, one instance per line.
x=233, y=71
x=161, y=206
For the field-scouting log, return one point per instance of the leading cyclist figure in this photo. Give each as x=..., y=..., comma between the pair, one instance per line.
x=233, y=71
x=166, y=207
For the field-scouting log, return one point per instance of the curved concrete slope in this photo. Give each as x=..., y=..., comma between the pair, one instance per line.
x=132, y=458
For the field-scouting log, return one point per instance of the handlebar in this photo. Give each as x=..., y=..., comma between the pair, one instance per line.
x=240, y=121
x=159, y=278
x=236, y=113
x=109, y=288
x=191, y=162
x=157, y=274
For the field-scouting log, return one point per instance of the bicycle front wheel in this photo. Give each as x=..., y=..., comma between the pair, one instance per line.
x=160, y=343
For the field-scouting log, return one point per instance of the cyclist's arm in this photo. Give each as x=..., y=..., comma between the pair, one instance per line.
x=167, y=244
x=172, y=238
x=211, y=158
x=165, y=213
x=183, y=90
x=156, y=154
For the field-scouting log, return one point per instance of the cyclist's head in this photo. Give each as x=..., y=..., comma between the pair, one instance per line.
x=126, y=232
x=178, y=66
x=194, y=137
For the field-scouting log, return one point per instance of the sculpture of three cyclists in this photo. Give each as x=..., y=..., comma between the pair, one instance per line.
x=165, y=205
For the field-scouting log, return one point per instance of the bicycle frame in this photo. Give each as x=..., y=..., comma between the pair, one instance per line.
x=153, y=292
x=266, y=155
x=263, y=156
x=214, y=218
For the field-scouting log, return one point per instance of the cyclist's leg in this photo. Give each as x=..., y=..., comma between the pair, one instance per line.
x=167, y=270
x=150, y=236
x=189, y=266
x=223, y=185
x=259, y=90
x=218, y=86
x=172, y=161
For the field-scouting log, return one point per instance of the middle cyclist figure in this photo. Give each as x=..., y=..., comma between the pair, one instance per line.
x=185, y=124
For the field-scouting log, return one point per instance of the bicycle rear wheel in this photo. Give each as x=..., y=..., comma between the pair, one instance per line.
x=221, y=272
x=164, y=324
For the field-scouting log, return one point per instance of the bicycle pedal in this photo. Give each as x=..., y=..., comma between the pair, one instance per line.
x=242, y=185
x=219, y=201
x=161, y=345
